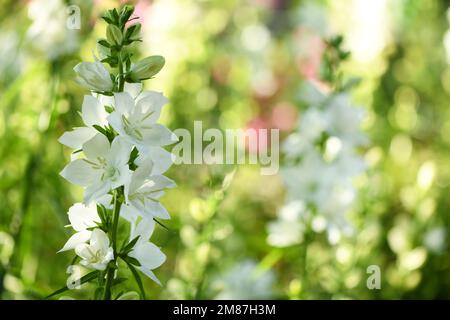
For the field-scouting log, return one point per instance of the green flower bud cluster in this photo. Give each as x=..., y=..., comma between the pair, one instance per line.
x=119, y=35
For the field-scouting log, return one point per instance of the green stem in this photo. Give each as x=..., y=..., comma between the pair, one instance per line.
x=306, y=243
x=116, y=214
x=112, y=266
x=121, y=79
x=116, y=211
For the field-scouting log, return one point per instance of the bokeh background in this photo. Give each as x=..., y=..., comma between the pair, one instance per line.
x=239, y=64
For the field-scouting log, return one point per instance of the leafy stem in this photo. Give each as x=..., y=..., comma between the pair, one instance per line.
x=112, y=266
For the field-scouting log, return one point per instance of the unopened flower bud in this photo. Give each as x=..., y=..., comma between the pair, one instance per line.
x=114, y=35
x=146, y=68
x=94, y=76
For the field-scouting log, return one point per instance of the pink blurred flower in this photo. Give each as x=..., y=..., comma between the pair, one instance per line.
x=262, y=139
x=284, y=116
x=310, y=49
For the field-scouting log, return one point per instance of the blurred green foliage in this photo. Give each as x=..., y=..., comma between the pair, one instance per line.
x=231, y=64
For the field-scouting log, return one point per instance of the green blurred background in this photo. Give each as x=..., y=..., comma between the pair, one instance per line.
x=239, y=64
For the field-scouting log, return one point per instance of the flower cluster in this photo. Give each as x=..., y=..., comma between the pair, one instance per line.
x=321, y=164
x=118, y=158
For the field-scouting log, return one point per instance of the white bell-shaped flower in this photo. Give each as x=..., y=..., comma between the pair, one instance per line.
x=137, y=120
x=104, y=168
x=97, y=253
x=92, y=113
x=143, y=191
x=148, y=254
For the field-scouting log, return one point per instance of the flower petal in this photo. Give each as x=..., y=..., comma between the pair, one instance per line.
x=148, y=254
x=115, y=120
x=124, y=103
x=144, y=228
x=150, y=274
x=75, y=138
x=161, y=158
x=139, y=176
x=97, y=147
x=96, y=191
x=76, y=239
x=82, y=217
x=99, y=240
x=134, y=89
x=93, y=112
x=79, y=172
x=151, y=102
x=120, y=151
x=158, y=135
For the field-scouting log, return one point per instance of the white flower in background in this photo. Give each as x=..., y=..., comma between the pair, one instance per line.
x=322, y=162
x=12, y=56
x=245, y=281
x=434, y=239
x=344, y=120
x=97, y=253
x=48, y=31
x=137, y=120
x=104, y=168
x=149, y=255
x=143, y=191
x=288, y=228
x=94, y=76
x=92, y=113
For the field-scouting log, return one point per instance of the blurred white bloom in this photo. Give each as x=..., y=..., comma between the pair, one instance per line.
x=97, y=254
x=245, y=282
x=12, y=56
x=344, y=120
x=94, y=76
x=144, y=191
x=322, y=162
x=136, y=121
x=104, y=168
x=435, y=239
x=149, y=255
x=313, y=124
x=288, y=228
x=48, y=31
x=92, y=113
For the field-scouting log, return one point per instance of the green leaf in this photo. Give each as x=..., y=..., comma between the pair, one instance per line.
x=104, y=43
x=119, y=295
x=119, y=281
x=99, y=293
x=160, y=223
x=138, y=279
x=130, y=246
x=125, y=14
x=86, y=278
x=134, y=154
x=109, y=109
x=133, y=32
x=130, y=260
x=100, y=129
x=74, y=260
x=107, y=18
x=114, y=35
